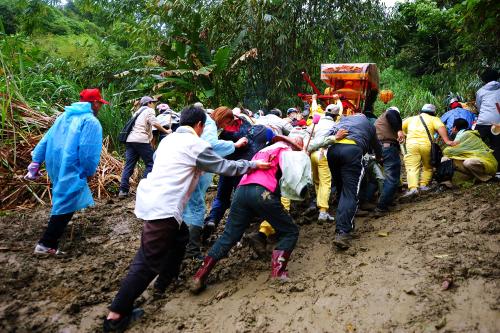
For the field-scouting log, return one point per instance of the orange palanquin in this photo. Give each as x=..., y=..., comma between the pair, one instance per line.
x=356, y=85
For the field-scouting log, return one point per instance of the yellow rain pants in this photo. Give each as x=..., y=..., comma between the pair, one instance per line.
x=418, y=164
x=322, y=179
x=265, y=227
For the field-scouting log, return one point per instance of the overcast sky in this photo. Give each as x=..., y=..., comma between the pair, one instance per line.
x=390, y=3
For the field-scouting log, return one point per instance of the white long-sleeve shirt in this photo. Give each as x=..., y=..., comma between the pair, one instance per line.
x=180, y=159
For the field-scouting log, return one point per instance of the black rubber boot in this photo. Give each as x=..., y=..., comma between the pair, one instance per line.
x=209, y=228
x=193, y=249
x=258, y=242
x=120, y=325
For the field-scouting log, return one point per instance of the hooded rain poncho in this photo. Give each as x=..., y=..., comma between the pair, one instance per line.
x=471, y=146
x=71, y=150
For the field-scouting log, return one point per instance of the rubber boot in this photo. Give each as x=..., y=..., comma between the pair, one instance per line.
x=278, y=264
x=312, y=209
x=258, y=242
x=194, y=245
x=160, y=286
x=197, y=284
x=209, y=227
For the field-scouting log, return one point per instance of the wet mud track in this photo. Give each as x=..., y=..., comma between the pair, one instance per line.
x=431, y=265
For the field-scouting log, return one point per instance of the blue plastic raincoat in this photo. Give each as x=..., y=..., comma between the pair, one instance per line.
x=71, y=150
x=194, y=213
x=449, y=118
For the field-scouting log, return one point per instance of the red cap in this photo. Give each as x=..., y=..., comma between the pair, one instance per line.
x=301, y=123
x=91, y=95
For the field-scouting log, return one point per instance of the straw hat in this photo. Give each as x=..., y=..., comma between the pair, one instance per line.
x=495, y=129
x=297, y=142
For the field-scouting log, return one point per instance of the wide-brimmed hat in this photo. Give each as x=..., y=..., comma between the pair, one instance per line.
x=296, y=142
x=495, y=129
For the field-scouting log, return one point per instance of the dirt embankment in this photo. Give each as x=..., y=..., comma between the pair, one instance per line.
x=391, y=280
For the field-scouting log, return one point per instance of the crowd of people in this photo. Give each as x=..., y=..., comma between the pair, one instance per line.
x=264, y=161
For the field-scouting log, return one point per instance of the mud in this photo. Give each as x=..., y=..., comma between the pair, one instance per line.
x=390, y=281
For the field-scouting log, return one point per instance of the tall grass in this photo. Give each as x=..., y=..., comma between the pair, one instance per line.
x=114, y=116
x=411, y=93
x=47, y=82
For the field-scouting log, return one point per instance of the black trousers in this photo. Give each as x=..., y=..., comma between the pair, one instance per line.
x=346, y=165
x=163, y=244
x=493, y=141
x=55, y=229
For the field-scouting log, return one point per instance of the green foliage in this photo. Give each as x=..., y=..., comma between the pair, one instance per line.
x=423, y=34
x=440, y=36
x=411, y=93
x=476, y=25
x=50, y=71
x=8, y=17
x=291, y=36
x=239, y=52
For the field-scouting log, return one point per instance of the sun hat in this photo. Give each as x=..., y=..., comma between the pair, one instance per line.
x=296, y=142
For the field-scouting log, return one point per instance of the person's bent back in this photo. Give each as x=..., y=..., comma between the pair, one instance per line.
x=471, y=157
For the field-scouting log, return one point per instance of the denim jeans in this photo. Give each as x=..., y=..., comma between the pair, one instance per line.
x=368, y=190
x=134, y=151
x=346, y=165
x=222, y=200
x=392, y=173
x=55, y=229
x=195, y=209
x=255, y=201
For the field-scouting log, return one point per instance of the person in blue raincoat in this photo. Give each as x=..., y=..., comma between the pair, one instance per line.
x=456, y=111
x=71, y=150
x=194, y=213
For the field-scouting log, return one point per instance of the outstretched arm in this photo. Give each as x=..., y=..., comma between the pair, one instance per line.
x=209, y=161
x=321, y=142
x=444, y=134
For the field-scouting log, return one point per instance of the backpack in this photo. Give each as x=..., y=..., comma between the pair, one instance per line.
x=296, y=177
x=122, y=137
x=258, y=137
x=444, y=171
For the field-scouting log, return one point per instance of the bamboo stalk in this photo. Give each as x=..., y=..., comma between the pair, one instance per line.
x=36, y=196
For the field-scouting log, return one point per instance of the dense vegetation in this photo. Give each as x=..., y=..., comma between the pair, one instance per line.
x=237, y=52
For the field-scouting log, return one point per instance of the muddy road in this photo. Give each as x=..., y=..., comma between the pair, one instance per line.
x=432, y=265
